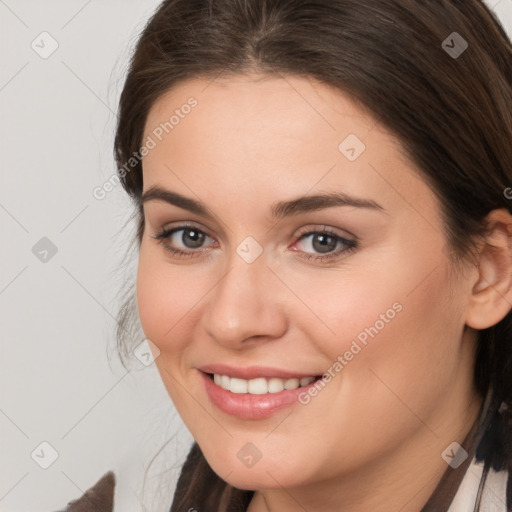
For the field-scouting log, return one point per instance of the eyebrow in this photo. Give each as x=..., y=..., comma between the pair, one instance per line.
x=279, y=209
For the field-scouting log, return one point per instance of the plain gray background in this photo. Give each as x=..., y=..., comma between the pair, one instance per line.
x=58, y=385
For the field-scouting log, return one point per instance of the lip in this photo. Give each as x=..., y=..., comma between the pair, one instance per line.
x=250, y=407
x=252, y=372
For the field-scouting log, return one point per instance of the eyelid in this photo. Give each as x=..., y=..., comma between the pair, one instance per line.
x=177, y=225
x=324, y=228
x=165, y=216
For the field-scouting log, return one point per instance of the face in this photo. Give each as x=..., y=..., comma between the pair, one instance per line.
x=287, y=237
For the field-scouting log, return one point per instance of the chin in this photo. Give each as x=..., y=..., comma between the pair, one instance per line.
x=264, y=474
x=246, y=480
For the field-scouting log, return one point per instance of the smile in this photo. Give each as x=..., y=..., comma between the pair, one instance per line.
x=253, y=394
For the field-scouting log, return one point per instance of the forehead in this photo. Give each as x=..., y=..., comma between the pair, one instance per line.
x=295, y=108
x=256, y=136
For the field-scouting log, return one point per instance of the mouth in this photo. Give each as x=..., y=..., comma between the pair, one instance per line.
x=261, y=394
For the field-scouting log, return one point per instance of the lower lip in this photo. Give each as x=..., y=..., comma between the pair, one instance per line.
x=247, y=406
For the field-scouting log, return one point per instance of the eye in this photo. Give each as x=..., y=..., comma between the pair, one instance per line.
x=319, y=245
x=191, y=238
x=323, y=245
x=183, y=240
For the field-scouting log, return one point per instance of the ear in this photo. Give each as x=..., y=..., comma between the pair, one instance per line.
x=491, y=297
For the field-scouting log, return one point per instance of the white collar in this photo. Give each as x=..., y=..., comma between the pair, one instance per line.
x=481, y=491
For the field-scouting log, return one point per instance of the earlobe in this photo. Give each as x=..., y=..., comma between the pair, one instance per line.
x=491, y=296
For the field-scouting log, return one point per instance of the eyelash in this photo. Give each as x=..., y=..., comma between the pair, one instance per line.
x=349, y=245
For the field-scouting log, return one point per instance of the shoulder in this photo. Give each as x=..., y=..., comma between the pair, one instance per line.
x=98, y=498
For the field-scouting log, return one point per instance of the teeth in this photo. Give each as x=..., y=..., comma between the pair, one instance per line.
x=275, y=385
x=257, y=386
x=292, y=384
x=260, y=385
x=306, y=380
x=238, y=385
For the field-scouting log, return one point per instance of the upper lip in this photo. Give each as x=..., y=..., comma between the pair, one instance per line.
x=252, y=372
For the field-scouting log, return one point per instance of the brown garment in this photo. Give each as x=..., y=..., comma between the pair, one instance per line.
x=99, y=498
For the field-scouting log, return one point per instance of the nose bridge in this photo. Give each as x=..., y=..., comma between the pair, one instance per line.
x=247, y=269
x=240, y=283
x=243, y=304
x=241, y=288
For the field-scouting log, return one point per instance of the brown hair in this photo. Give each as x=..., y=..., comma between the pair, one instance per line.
x=453, y=115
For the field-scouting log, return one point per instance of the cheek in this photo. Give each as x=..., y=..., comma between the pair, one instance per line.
x=397, y=322
x=165, y=298
x=345, y=305
x=152, y=299
x=403, y=346
x=394, y=303
x=165, y=295
x=400, y=351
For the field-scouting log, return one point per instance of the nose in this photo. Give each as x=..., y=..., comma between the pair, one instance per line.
x=245, y=306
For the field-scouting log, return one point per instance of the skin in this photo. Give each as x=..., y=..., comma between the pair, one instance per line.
x=372, y=438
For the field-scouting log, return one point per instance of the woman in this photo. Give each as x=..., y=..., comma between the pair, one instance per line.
x=325, y=249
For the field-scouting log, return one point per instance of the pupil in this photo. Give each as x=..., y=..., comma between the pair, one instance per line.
x=324, y=243
x=192, y=238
